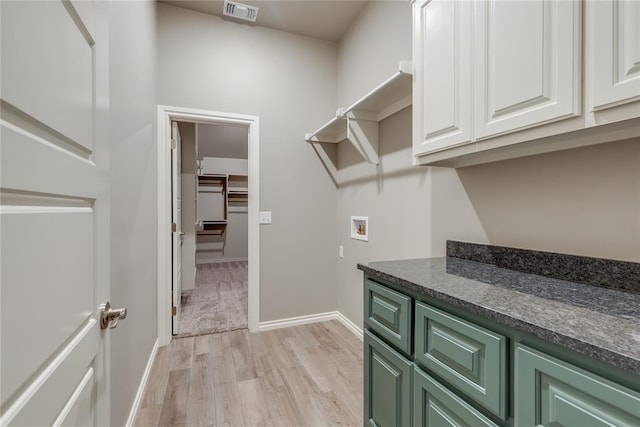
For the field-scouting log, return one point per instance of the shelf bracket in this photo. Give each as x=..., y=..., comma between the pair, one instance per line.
x=363, y=134
x=326, y=161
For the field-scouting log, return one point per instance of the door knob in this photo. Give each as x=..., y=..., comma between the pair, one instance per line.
x=109, y=316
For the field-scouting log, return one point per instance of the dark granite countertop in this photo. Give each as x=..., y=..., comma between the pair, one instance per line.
x=598, y=322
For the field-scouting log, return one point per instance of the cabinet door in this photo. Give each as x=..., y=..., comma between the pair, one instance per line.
x=527, y=64
x=442, y=74
x=436, y=406
x=389, y=314
x=549, y=391
x=387, y=385
x=470, y=358
x=613, y=37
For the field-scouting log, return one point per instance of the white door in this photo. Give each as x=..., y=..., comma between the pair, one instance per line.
x=527, y=64
x=54, y=213
x=176, y=218
x=442, y=79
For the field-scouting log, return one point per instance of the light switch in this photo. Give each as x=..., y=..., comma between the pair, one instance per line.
x=265, y=217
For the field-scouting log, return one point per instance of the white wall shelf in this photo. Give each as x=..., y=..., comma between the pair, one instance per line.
x=358, y=123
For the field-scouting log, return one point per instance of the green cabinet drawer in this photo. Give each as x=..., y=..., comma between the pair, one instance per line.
x=552, y=392
x=388, y=313
x=435, y=406
x=470, y=358
x=387, y=385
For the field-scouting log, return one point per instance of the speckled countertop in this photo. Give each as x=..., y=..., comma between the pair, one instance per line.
x=596, y=321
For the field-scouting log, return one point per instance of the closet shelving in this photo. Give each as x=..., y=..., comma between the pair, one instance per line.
x=358, y=123
x=218, y=195
x=212, y=206
x=238, y=193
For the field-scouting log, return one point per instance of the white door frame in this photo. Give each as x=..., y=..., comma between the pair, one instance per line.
x=165, y=115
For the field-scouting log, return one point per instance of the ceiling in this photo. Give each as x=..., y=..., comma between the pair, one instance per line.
x=322, y=19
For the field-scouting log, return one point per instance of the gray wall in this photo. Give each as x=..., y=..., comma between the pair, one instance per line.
x=584, y=201
x=222, y=141
x=133, y=190
x=208, y=63
x=404, y=203
x=370, y=50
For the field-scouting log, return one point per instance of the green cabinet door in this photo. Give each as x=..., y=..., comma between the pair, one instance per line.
x=552, y=392
x=435, y=406
x=387, y=385
x=388, y=313
x=470, y=358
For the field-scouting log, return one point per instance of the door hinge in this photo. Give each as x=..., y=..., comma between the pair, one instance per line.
x=174, y=311
x=174, y=144
x=174, y=227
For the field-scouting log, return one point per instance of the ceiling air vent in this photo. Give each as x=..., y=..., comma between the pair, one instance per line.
x=240, y=11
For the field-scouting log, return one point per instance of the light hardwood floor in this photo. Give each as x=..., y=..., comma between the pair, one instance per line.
x=308, y=375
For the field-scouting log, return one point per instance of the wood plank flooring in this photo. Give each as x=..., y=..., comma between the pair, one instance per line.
x=309, y=375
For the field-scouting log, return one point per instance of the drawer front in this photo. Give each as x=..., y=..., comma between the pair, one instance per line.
x=388, y=313
x=435, y=406
x=387, y=384
x=469, y=357
x=552, y=392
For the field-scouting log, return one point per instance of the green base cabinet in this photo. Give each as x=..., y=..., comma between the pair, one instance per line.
x=465, y=370
x=387, y=385
x=435, y=406
x=551, y=392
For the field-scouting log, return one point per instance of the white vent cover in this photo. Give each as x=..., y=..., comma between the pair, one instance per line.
x=240, y=11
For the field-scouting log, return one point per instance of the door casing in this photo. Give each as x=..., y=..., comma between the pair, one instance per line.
x=165, y=115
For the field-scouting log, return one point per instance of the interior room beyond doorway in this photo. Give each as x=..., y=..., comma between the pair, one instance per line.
x=214, y=220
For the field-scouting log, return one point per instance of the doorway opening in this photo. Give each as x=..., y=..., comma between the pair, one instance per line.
x=208, y=261
x=213, y=245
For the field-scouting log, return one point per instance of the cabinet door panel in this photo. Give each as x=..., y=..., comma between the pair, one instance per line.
x=469, y=357
x=435, y=406
x=387, y=384
x=552, y=392
x=389, y=314
x=442, y=84
x=527, y=64
x=614, y=46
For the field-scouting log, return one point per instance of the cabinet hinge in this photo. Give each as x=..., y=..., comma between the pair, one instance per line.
x=174, y=227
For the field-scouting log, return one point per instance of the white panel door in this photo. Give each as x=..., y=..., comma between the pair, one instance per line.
x=442, y=75
x=527, y=64
x=614, y=45
x=54, y=213
x=176, y=214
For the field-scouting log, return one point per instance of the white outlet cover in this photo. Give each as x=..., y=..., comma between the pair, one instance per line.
x=265, y=217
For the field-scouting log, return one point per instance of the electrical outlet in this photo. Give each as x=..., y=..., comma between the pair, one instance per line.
x=341, y=251
x=265, y=217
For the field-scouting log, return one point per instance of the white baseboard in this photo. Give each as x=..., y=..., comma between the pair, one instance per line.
x=143, y=385
x=357, y=331
x=312, y=318
x=217, y=260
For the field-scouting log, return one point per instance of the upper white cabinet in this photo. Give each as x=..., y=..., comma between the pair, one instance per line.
x=613, y=40
x=527, y=64
x=498, y=79
x=442, y=60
